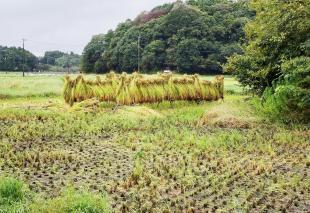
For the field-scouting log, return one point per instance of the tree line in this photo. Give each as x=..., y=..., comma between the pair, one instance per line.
x=196, y=36
x=15, y=59
x=12, y=59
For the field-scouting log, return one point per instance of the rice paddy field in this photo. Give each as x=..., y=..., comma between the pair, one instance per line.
x=181, y=156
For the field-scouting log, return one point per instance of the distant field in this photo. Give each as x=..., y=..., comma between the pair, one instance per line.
x=13, y=85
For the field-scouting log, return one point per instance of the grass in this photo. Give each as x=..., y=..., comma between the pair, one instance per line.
x=73, y=201
x=10, y=191
x=15, y=197
x=230, y=85
x=13, y=85
x=209, y=157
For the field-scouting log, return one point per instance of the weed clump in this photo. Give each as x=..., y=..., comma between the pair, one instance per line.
x=73, y=201
x=13, y=195
x=16, y=197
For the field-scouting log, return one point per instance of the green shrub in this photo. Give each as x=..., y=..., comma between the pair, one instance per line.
x=289, y=98
x=72, y=201
x=15, y=197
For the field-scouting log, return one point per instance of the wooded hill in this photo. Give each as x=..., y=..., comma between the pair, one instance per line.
x=196, y=36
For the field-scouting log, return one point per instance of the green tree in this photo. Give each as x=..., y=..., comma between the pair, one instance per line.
x=50, y=57
x=92, y=52
x=289, y=98
x=11, y=59
x=276, y=56
x=188, y=55
x=278, y=33
x=154, y=56
x=68, y=60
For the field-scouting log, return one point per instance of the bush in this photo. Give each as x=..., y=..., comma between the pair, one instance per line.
x=72, y=201
x=246, y=69
x=289, y=98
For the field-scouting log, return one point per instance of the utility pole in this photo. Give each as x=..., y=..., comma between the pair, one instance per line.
x=68, y=69
x=139, y=52
x=24, y=57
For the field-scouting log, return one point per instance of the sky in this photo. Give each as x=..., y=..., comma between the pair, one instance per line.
x=65, y=25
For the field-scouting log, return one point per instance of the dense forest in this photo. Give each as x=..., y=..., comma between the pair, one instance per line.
x=12, y=59
x=196, y=36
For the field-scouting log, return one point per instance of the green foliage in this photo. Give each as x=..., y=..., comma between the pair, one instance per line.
x=289, y=98
x=11, y=59
x=246, y=68
x=68, y=60
x=59, y=61
x=138, y=169
x=50, y=57
x=279, y=32
x=93, y=52
x=276, y=58
x=153, y=56
x=13, y=195
x=187, y=37
x=11, y=191
x=188, y=54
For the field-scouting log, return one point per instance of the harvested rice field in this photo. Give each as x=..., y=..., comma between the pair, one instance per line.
x=179, y=156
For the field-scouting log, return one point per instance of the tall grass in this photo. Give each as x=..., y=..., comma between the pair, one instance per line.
x=127, y=89
x=73, y=201
x=15, y=86
x=14, y=195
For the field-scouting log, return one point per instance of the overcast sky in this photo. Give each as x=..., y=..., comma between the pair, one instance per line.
x=65, y=25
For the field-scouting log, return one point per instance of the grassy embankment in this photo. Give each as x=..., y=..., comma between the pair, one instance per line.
x=213, y=156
